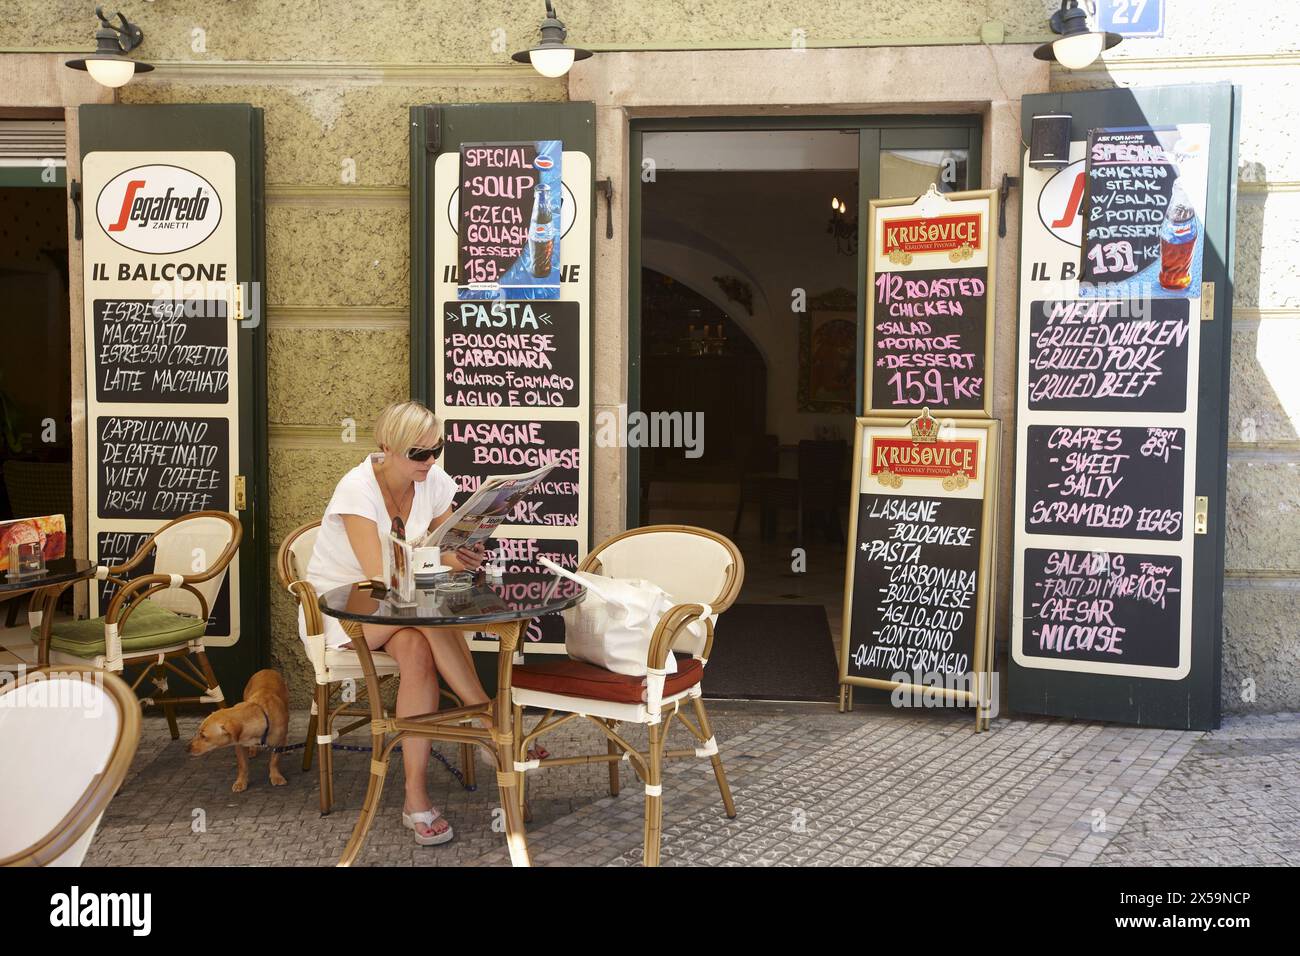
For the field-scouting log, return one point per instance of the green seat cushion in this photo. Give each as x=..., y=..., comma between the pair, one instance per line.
x=149, y=627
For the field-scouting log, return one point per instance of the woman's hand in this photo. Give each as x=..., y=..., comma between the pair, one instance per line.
x=472, y=558
x=465, y=559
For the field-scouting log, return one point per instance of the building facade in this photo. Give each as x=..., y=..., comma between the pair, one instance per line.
x=336, y=86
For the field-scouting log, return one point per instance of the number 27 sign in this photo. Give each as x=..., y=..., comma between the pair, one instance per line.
x=1132, y=18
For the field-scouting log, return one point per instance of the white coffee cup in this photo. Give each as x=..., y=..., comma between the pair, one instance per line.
x=429, y=561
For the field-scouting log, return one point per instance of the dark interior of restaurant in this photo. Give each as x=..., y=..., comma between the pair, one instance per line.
x=748, y=314
x=35, y=374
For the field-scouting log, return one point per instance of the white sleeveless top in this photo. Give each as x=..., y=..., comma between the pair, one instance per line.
x=333, y=562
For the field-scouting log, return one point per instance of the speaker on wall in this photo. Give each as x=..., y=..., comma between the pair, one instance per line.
x=1049, y=141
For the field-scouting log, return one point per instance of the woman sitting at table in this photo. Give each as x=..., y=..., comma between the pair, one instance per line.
x=400, y=487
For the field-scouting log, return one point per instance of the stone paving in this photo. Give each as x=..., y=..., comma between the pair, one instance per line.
x=813, y=787
x=1233, y=800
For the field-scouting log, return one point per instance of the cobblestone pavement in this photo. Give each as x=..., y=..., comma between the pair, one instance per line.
x=1233, y=800
x=812, y=787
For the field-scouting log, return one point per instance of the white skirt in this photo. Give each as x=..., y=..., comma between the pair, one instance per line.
x=335, y=636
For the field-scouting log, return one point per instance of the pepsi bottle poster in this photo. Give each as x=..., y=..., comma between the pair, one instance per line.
x=511, y=208
x=1144, y=212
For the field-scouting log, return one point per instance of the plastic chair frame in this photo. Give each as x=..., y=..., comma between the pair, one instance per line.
x=104, y=785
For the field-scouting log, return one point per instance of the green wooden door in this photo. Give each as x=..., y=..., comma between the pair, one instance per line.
x=469, y=346
x=1162, y=585
x=212, y=158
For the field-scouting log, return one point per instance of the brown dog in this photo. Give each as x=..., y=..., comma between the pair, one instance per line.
x=261, y=720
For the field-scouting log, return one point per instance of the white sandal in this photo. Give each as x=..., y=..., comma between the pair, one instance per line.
x=427, y=817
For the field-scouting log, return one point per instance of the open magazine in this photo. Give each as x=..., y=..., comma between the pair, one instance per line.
x=474, y=521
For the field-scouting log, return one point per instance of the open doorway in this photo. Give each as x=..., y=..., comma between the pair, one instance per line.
x=35, y=370
x=746, y=312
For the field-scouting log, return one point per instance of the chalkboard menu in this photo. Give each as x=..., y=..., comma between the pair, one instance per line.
x=1130, y=182
x=509, y=360
x=504, y=354
x=478, y=449
x=1100, y=355
x=115, y=547
x=929, y=329
x=1116, y=482
x=161, y=373
x=162, y=350
x=918, y=579
x=1107, y=408
x=1102, y=606
x=154, y=467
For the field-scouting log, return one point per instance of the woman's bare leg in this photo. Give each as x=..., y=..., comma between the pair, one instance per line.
x=453, y=660
x=417, y=693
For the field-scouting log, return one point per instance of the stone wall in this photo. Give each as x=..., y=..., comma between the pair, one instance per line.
x=1253, y=44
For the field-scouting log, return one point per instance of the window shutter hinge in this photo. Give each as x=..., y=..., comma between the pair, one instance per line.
x=606, y=188
x=1207, y=301
x=432, y=129
x=74, y=193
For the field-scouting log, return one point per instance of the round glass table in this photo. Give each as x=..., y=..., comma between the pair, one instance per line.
x=45, y=587
x=518, y=597
x=501, y=608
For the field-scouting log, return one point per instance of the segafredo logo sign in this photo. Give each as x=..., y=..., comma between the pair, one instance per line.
x=1060, y=204
x=158, y=209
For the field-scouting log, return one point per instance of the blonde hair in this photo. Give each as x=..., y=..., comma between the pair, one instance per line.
x=401, y=425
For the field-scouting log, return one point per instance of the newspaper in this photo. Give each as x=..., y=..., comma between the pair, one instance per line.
x=477, y=519
x=474, y=521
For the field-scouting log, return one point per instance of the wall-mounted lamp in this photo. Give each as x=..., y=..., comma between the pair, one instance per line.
x=1078, y=46
x=109, y=65
x=552, y=57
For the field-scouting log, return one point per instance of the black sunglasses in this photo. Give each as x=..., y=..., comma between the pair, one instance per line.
x=424, y=454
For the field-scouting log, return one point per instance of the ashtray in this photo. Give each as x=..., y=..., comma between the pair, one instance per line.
x=453, y=581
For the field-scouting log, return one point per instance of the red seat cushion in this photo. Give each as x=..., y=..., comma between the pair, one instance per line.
x=578, y=679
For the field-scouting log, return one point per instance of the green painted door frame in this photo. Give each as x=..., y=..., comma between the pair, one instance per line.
x=1195, y=701
x=875, y=133
x=438, y=129
x=236, y=129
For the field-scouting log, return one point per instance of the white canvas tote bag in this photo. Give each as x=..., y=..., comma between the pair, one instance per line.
x=613, y=626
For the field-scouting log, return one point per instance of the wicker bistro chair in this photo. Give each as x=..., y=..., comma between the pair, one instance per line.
x=703, y=570
x=336, y=669
x=157, y=619
x=50, y=809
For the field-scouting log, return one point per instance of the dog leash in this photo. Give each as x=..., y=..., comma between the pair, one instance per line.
x=353, y=748
x=267, y=718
